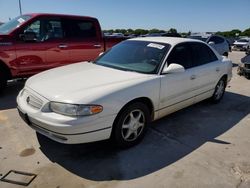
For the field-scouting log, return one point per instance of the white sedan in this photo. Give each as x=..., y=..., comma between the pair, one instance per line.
x=137, y=81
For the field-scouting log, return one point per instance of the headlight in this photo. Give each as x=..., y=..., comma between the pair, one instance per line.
x=75, y=109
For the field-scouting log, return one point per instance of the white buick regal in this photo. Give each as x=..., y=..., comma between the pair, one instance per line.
x=138, y=81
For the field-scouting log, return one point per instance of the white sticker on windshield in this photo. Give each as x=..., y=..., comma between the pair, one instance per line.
x=21, y=20
x=154, y=45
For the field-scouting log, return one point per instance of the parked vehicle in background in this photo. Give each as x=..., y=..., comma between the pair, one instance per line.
x=242, y=44
x=200, y=36
x=138, y=81
x=171, y=35
x=218, y=42
x=244, y=66
x=33, y=43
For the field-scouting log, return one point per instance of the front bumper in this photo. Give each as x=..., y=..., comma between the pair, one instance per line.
x=64, y=129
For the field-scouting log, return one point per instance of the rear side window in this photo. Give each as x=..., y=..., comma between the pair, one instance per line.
x=202, y=54
x=181, y=54
x=79, y=29
x=216, y=39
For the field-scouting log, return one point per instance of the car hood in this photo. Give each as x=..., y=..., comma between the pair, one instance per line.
x=61, y=84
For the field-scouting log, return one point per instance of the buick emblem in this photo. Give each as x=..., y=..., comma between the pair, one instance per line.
x=28, y=99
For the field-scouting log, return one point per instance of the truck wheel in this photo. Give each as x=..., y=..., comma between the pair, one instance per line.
x=130, y=125
x=219, y=91
x=3, y=80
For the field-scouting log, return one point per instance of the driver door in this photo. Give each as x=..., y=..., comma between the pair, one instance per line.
x=41, y=52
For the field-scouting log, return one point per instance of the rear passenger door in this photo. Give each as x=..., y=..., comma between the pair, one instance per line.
x=83, y=39
x=207, y=69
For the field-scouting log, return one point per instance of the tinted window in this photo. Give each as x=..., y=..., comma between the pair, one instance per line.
x=216, y=39
x=45, y=29
x=80, y=29
x=181, y=54
x=202, y=54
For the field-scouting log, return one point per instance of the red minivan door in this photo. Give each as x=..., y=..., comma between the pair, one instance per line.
x=83, y=38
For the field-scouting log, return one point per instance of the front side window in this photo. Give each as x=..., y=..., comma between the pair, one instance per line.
x=138, y=56
x=181, y=55
x=13, y=24
x=45, y=29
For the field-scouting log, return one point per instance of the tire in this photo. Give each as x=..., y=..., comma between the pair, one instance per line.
x=3, y=80
x=130, y=125
x=219, y=91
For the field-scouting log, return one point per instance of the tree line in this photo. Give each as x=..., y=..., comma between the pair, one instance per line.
x=229, y=34
x=235, y=33
x=139, y=31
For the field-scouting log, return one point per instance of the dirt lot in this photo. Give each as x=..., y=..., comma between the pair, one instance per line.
x=204, y=145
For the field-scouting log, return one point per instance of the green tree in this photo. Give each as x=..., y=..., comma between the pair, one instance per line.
x=172, y=30
x=246, y=32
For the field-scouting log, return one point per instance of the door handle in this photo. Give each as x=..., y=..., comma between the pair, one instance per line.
x=97, y=45
x=192, y=77
x=63, y=46
x=217, y=69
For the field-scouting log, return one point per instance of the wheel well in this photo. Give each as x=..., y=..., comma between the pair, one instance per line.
x=6, y=69
x=143, y=100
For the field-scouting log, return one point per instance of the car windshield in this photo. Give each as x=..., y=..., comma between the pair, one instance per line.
x=137, y=56
x=243, y=40
x=12, y=24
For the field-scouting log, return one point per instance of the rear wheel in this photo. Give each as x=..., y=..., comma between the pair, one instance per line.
x=130, y=126
x=219, y=91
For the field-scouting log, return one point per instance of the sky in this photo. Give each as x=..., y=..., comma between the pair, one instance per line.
x=184, y=15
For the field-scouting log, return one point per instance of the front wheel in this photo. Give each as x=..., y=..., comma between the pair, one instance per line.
x=130, y=125
x=219, y=91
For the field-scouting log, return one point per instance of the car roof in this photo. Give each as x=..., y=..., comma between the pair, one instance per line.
x=168, y=40
x=59, y=15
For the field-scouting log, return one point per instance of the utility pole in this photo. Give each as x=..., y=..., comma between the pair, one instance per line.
x=20, y=7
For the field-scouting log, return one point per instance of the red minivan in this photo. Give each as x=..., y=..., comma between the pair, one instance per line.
x=32, y=43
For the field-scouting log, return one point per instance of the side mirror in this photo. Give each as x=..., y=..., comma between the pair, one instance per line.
x=29, y=36
x=173, y=68
x=211, y=43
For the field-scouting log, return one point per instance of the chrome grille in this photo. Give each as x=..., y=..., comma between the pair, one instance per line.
x=34, y=102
